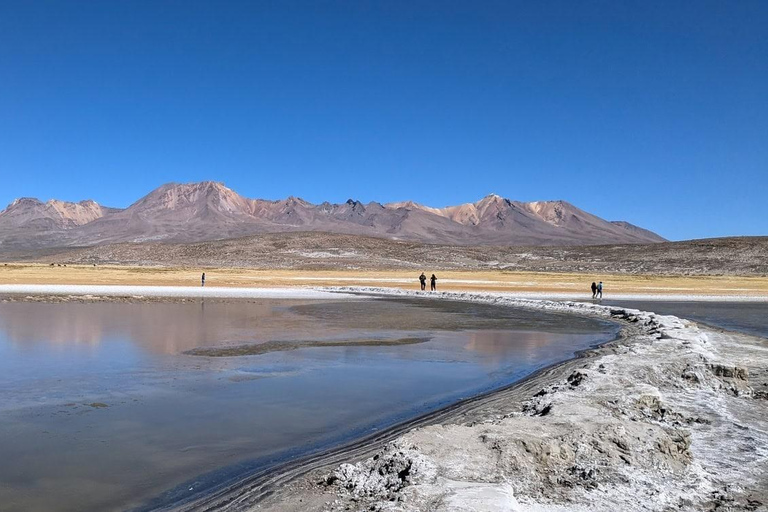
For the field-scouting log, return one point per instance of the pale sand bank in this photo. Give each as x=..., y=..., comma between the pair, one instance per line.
x=168, y=291
x=310, y=292
x=532, y=284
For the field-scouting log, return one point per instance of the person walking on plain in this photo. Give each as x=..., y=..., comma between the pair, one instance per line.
x=594, y=290
x=423, y=281
x=433, y=283
x=600, y=290
x=202, y=280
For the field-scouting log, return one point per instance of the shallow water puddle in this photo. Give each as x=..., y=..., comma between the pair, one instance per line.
x=104, y=407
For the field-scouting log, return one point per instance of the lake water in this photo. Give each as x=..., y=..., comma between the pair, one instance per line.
x=103, y=408
x=746, y=317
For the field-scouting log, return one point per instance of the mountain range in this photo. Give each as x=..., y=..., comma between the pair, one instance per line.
x=209, y=210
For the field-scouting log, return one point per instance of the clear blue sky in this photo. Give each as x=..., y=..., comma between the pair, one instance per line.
x=651, y=112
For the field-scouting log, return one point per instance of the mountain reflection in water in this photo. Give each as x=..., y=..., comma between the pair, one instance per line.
x=496, y=344
x=161, y=328
x=173, y=328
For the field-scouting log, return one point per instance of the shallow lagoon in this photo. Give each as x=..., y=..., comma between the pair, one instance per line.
x=104, y=408
x=746, y=317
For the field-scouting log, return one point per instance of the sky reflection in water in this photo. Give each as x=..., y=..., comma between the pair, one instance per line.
x=170, y=417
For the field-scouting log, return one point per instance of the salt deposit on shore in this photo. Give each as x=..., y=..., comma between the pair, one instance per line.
x=652, y=294
x=311, y=292
x=670, y=417
x=167, y=291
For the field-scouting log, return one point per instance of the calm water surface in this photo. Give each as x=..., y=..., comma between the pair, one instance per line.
x=101, y=409
x=746, y=317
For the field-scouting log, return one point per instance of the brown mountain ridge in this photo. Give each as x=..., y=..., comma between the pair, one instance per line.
x=194, y=212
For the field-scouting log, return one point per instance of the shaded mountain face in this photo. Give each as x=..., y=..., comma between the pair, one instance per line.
x=208, y=211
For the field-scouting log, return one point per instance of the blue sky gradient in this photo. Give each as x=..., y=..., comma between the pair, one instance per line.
x=651, y=112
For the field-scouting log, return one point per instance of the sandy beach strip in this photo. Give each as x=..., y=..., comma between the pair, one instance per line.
x=531, y=284
x=671, y=416
x=168, y=291
x=137, y=292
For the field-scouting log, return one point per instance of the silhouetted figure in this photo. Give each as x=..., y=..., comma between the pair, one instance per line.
x=433, y=283
x=594, y=290
x=202, y=280
x=600, y=290
x=423, y=281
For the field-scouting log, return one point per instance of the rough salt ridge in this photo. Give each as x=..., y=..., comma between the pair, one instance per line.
x=669, y=418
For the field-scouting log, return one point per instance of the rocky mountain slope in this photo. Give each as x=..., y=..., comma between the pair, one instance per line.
x=195, y=212
x=53, y=214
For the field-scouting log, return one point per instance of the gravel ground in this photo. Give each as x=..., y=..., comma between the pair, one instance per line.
x=746, y=256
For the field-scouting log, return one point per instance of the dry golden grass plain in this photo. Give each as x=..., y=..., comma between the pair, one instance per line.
x=502, y=281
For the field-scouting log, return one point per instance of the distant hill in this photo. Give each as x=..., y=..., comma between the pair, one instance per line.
x=196, y=212
x=746, y=256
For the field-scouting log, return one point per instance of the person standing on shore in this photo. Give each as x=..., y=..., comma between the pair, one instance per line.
x=202, y=280
x=594, y=290
x=600, y=290
x=433, y=283
x=423, y=281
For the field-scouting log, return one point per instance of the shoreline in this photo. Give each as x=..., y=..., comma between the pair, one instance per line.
x=264, y=484
x=251, y=490
x=139, y=292
x=176, y=292
x=432, y=478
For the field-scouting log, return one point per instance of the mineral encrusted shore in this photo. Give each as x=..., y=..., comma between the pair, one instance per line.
x=670, y=417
